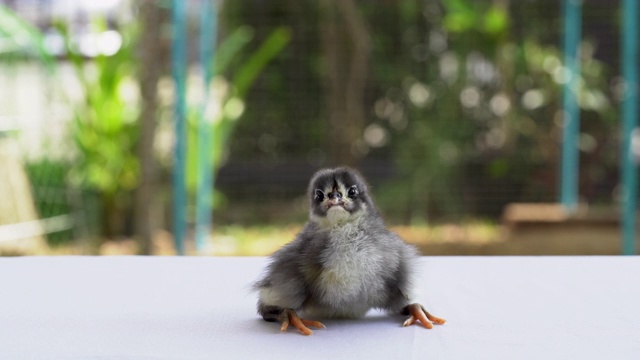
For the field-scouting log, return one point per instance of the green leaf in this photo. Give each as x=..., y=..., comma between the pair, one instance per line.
x=230, y=48
x=271, y=47
x=460, y=16
x=498, y=168
x=495, y=21
x=457, y=6
x=22, y=37
x=460, y=21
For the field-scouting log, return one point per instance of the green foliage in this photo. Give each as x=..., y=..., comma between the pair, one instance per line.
x=226, y=97
x=462, y=16
x=104, y=127
x=48, y=179
x=495, y=21
x=463, y=97
x=481, y=107
x=246, y=75
x=19, y=40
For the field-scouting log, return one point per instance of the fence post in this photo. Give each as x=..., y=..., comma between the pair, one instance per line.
x=571, y=110
x=629, y=171
x=204, y=195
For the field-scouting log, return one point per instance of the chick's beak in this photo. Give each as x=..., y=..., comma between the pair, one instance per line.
x=335, y=199
x=334, y=202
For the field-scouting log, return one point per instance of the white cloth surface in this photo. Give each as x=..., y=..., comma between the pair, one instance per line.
x=203, y=308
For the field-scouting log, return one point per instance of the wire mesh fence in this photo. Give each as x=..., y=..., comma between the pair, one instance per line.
x=452, y=109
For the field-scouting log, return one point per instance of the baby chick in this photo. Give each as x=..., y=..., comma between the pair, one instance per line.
x=343, y=262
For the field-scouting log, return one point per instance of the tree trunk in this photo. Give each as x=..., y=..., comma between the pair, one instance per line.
x=150, y=54
x=347, y=47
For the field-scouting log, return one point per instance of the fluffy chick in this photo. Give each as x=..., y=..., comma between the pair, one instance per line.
x=343, y=262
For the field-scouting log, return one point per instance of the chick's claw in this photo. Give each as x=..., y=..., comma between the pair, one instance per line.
x=289, y=316
x=417, y=312
x=435, y=319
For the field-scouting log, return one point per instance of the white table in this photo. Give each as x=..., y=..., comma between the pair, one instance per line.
x=202, y=308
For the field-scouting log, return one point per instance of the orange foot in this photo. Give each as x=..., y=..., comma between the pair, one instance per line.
x=289, y=316
x=417, y=312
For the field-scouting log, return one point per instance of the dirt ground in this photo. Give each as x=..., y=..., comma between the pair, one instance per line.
x=548, y=241
x=443, y=240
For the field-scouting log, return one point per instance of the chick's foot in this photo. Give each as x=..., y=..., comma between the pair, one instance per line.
x=417, y=312
x=290, y=316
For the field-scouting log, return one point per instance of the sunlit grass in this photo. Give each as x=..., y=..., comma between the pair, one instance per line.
x=251, y=240
x=264, y=240
x=475, y=232
x=260, y=240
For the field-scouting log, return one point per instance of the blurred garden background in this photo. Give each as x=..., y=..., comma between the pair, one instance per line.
x=452, y=109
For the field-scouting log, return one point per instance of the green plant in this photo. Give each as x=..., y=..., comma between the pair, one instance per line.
x=104, y=126
x=20, y=40
x=48, y=179
x=227, y=93
x=483, y=112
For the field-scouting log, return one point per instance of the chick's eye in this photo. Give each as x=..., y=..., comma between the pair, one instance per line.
x=353, y=191
x=319, y=195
